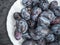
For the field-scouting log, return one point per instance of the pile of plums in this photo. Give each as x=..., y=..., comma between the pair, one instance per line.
x=38, y=23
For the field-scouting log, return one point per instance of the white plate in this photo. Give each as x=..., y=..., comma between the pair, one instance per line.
x=16, y=7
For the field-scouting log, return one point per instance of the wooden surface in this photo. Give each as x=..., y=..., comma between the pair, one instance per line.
x=4, y=9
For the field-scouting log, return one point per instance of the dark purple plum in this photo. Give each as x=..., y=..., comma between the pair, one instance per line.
x=35, y=13
x=31, y=23
x=56, y=21
x=53, y=5
x=27, y=2
x=42, y=31
x=39, y=32
x=43, y=21
x=56, y=29
x=49, y=14
x=50, y=38
x=17, y=35
x=44, y=6
x=33, y=35
x=26, y=36
x=56, y=12
x=17, y=16
x=23, y=26
x=25, y=13
x=36, y=10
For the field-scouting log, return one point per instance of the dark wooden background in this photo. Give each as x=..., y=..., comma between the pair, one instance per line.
x=4, y=9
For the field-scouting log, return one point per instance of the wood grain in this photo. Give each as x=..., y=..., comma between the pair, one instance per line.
x=4, y=9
